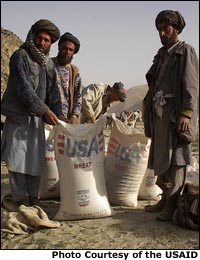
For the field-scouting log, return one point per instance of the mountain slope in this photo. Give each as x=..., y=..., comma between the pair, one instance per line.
x=133, y=101
x=9, y=43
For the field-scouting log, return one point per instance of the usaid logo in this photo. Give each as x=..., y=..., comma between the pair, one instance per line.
x=50, y=146
x=80, y=148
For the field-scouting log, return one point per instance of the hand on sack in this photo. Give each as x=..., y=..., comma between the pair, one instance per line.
x=50, y=118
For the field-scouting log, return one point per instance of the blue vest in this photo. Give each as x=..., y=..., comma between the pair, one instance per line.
x=11, y=106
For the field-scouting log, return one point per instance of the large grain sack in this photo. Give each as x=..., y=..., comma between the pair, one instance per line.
x=125, y=164
x=79, y=151
x=149, y=190
x=192, y=172
x=49, y=183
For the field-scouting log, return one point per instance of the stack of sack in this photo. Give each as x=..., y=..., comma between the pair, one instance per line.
x=79, y=152
x=125, y=164
x=127, y=176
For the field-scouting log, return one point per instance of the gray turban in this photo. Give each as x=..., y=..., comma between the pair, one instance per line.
x=120, y=90
x=172, y=17
x=44, y=25
x=71, y=38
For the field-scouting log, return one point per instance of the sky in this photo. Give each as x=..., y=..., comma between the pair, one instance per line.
x=118, y=38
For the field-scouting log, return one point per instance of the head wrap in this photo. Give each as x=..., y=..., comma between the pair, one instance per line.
x=120, y=90
x=71, y=38
x=40, y=26
x=44, y=25
x=172, y=17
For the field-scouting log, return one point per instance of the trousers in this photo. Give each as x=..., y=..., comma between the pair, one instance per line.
x=171, y=182
x=22, y=185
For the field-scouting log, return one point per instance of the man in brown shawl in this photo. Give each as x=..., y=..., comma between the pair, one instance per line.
x=26, y=104
x=170, y=111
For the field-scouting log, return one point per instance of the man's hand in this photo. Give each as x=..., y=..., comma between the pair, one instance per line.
x=63, y=118
x=73, y=120
x=183, y=123
x=93, y=119
x=50, y=118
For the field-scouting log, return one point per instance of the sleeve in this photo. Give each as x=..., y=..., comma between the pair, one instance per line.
x=55, y=98
x=152, y=70
x=20, y=73
x=77, y=101
x=88, y=99
x=190, y=82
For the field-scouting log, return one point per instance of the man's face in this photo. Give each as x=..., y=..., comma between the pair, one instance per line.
x=43, y=41
x=66, y=51
x=168, y=34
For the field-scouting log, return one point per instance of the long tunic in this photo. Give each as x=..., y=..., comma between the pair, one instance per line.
x=181, y=80
x=23, y=104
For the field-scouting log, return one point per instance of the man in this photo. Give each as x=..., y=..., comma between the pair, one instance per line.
x=68, y=78
x=125, y=116
x=26, y=105
x=173, y=93
x=97, y=98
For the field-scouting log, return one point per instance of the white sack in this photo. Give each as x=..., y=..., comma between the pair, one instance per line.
x=192, y=172
x=125, y=164
x=49, y=183
x=149, y=190
x=79, y=151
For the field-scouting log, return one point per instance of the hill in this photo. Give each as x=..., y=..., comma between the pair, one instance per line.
x=9, y=43
x=133, y=101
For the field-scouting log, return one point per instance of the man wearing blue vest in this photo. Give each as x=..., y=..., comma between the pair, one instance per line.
x=26, y=104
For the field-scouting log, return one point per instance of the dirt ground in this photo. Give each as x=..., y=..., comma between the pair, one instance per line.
x=128, y=228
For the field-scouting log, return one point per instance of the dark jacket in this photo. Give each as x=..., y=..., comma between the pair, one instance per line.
x=181, y=76
x=29, y=87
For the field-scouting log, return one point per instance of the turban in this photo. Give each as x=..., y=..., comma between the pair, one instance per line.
x=44, y=25
x=71, y=38
x=120, y=90
x=172, y=17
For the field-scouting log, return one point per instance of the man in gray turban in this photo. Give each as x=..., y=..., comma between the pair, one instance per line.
x=98, y=97
x=171, y=17
x=170, y=111
x=45, y=26
x=68, y=78
x=71, y=38
x=26, y=105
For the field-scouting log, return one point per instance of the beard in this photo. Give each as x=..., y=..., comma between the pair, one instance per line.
x=46, y=52
x=168, y=42
x=165, y=41
x=63, y=60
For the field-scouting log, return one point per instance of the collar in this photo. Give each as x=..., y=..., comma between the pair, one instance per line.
x=172, y=47
x=179, y=48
